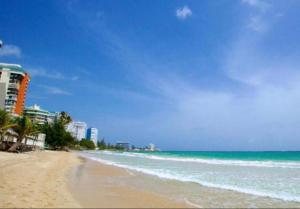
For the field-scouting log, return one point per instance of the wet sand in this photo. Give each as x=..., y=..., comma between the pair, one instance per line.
x=98, y=185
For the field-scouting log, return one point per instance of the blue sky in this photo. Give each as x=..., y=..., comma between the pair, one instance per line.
x=185, y=75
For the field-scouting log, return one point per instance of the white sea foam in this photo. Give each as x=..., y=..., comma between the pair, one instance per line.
x=269, y=164
x=173, y=175
x=191, y=203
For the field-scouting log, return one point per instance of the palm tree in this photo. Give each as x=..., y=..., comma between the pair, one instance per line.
x=24, y=128
x=65, y=118
x=5, y=123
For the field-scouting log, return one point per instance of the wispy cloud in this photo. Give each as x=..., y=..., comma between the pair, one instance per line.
x=183, y=12
x=41, y=72
x=259, y=4
x=10, y=50
x=256, y=23
x=263, y=109
x=55, y=90
x=259, y=20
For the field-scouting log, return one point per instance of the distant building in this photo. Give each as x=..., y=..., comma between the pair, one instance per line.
x=123, y=145
x=92, y=134
x=13, y=87
x=38, y=115
x=77, y=129
x=152, y=147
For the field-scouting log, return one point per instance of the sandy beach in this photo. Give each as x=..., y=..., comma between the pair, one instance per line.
x=36, y=179
x=61, y=179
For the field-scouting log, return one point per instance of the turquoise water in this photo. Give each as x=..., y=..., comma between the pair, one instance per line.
x=269, y=174
x=258, y=156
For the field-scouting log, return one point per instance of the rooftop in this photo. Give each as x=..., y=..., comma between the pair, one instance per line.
x=35, y=108
x=13, y=67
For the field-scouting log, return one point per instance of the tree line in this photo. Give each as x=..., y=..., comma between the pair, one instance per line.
x=56, y=135
x=102, y=145
x=21, y=126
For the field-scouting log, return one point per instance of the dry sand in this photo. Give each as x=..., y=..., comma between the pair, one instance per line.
x=36, y=179
x=61, y=179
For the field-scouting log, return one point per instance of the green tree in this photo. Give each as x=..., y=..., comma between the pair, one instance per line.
x=109, y=146
x=24, y=128
x=101, y=145
x=5, y=123
x=65, y=118
x=119, y=147
x=88, y=144
x=56, y=135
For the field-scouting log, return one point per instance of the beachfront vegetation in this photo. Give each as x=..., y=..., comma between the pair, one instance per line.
x=6, y=123
x=87, y=144
x=101, y=145
x=24, y=128
x=57, y=137
x=21, y=127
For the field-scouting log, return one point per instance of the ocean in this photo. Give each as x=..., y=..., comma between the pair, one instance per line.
x=268, y=174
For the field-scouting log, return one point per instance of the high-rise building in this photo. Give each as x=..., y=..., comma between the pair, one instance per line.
x=38, y=115
x=13, y=87
x=77, y=129
x=92, y=134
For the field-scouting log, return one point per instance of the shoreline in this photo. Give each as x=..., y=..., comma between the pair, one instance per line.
x=208, y=196
x=98, y=185
x=67, y=180
x=57, y=179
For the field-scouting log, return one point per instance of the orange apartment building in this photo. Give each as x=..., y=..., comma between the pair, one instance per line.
x=13, y=87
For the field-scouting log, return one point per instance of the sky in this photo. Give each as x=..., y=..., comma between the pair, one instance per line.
x=184, y=75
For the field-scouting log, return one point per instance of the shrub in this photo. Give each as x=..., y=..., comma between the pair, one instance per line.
x=88, y=144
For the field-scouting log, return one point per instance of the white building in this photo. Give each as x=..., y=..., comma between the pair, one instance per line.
x=77, y=129
x=38, y=115
x=92, y=134
x=152, y=147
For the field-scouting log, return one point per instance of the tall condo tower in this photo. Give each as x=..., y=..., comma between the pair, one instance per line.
x=77, y=129
x=13, y=87
x=92, y=134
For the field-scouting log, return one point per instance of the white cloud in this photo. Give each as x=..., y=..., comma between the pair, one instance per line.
x=10, y=50
x=259, y=4
x=256, y=23
x=55, y=90
x=184, y=12
x=262, y=15
x=40, y=72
